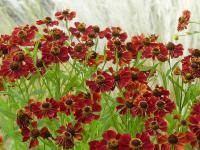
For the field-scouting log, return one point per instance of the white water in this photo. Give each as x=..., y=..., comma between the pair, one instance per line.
x=134, y=16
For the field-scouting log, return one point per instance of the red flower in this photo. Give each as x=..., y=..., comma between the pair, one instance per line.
x=55, y=35
x=140, y=142
x=95, y=59
x=114, y=33
x=4, y=50
x=103, y=82
x=164, y=106
x=183, y=20
x=144, y=106
x=156, y=125
x=24, y=36
x=111, y=138
x=175, y=50
x=137, y=75
x=140, y=41
x=78, y=51
x=16, y=66
x=68, y=135
x=143, y=44
x=40, y=66
x=93, y=96
x=34, y=134
x=194, y=124
x=91, y=33
x=48, y=108
x=188, y=70
x=122, y=77
x=110, y=141
x=75, y=32
x=65, y=15
x=123, y=56
x=87, y=111
x=174, y=141
x=54, y=53
x=196, y=109
x=158, y=50
x=47, y=21
x=159, y=91
x=67, y=104
x=23, y=118
x=124, y=105
x=97, y=145
x=136, y=88
x=195, y=140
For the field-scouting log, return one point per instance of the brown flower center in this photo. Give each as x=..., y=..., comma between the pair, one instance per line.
x=194, y=65
x=143, y=104
x=181, y=20
x=55, y=51
x=67, y=135
x=196, y=53
x=117, y=42
x=56, y=35
x=172, y=139
x=39, y=63
x=65, y=12
x=14, y=66
x=35, y=133
x=78, y=48
x=160, y=104
x=113, y=144
x=100, y=79
x=96, y=29
x=170, y=46
x=91, y=35
x=22, y=34
x=136, y=143
x=21, y=56
x=4, y=50
x=89, y=43
x=154, y=125
x=81, y=27
x=93, y=55
x=117, y=77
x=156, y=51
x=48, y=19
x=189, y=76
x=198, y=137
x=116, y=32
x=87, y=110
x=183, y=122
x=134, y=77
x=129, y=104
x=69, y=102
x=87, y=96
x=22, y=116
x=129, y=46
x=157, y=92
x=146, y=41
x=46, y=106
x=119, y=54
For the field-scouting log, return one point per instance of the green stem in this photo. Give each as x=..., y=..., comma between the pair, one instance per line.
x=194, y=22
x=21, y=91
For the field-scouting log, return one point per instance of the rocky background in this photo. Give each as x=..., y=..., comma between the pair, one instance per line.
x=134, y=16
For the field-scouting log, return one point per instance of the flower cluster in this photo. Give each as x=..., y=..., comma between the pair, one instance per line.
x=190, y=65
x=183, y=20
x=85, y=107
x=115, y=80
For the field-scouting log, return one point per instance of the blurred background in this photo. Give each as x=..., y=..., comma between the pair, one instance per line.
x=134, y=16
